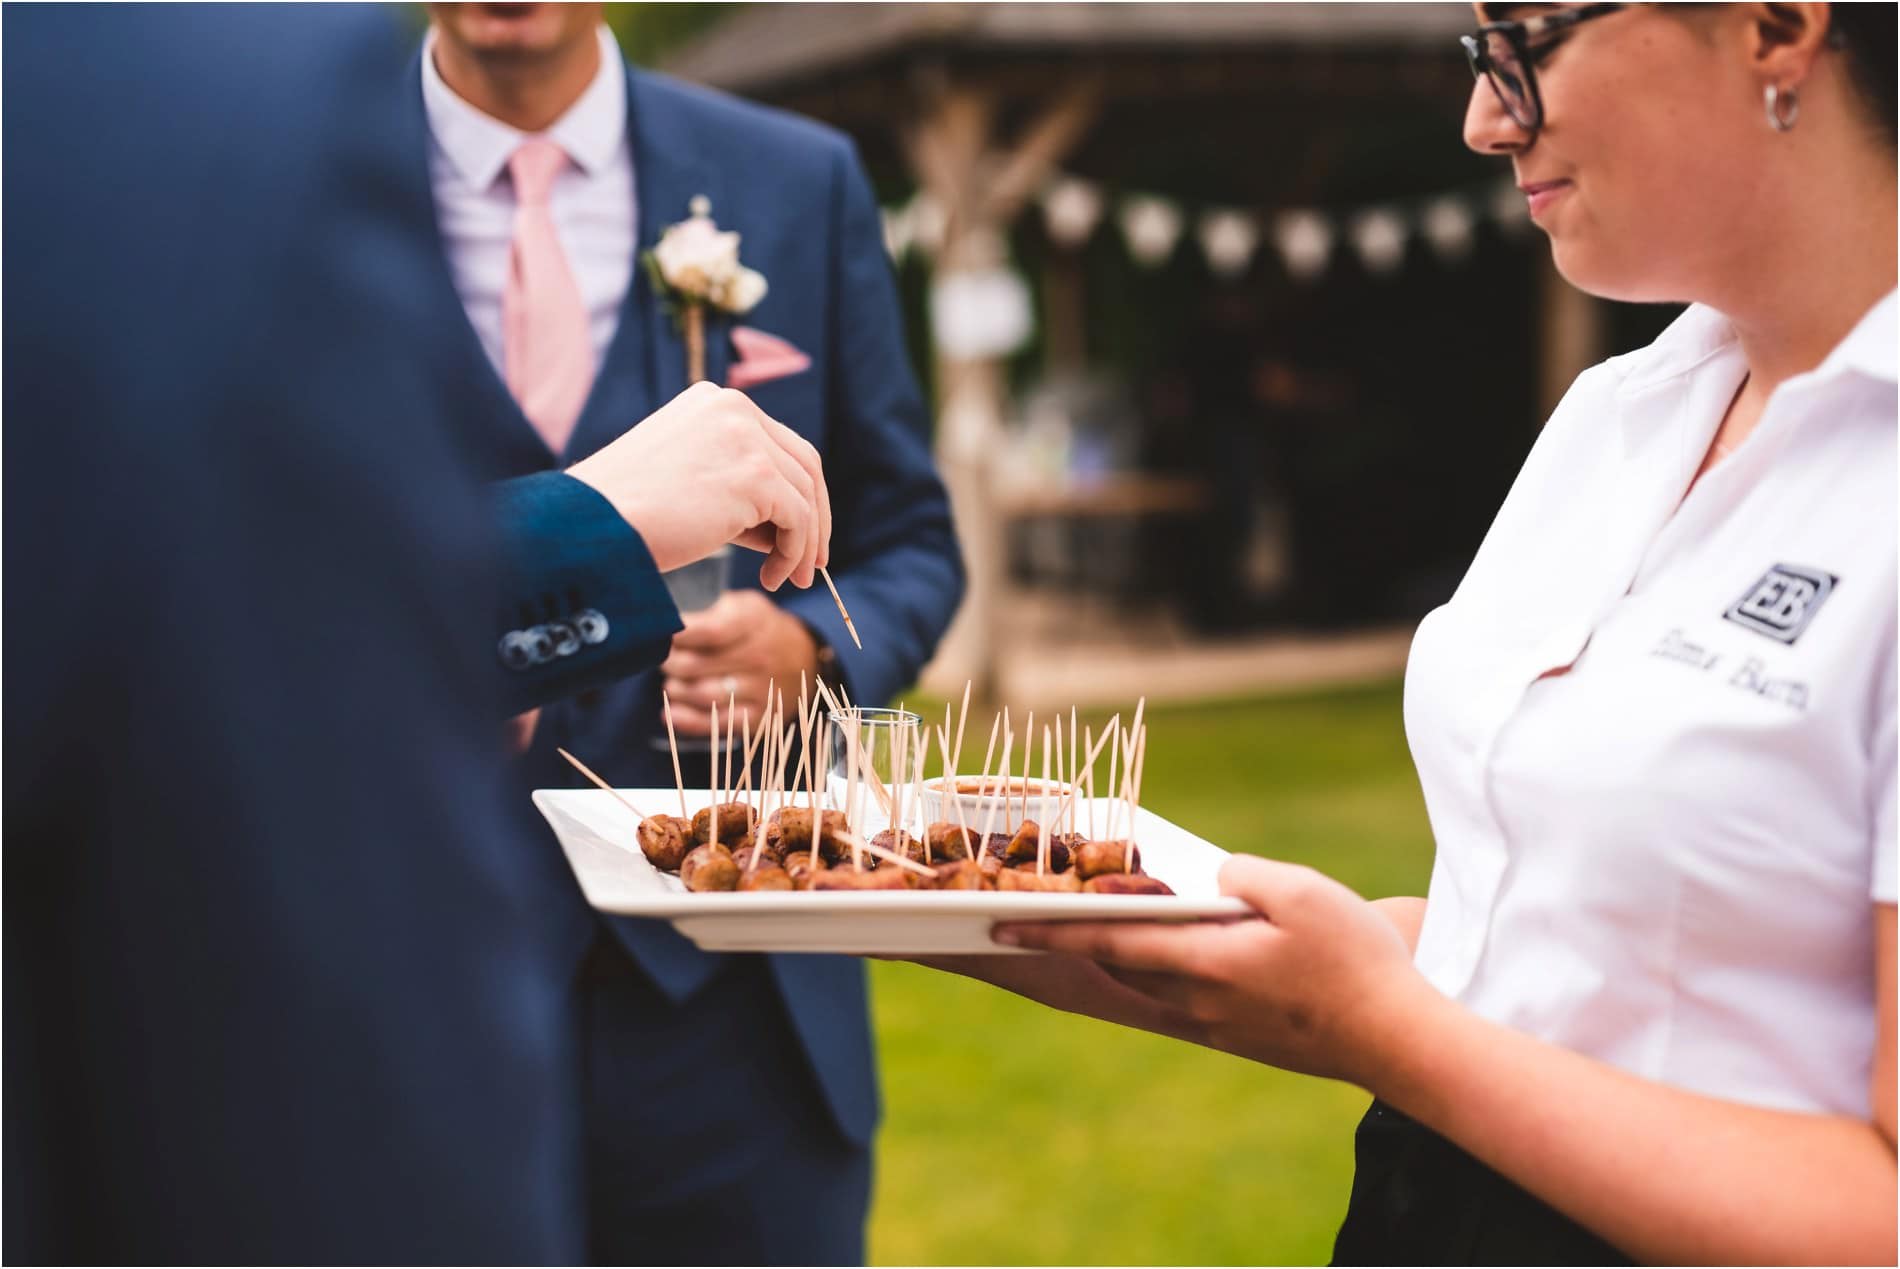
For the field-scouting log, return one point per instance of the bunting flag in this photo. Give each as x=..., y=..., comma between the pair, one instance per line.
x=1228, y=240
x=1449, y=227
x=1071, y=209
x=1379, y=234
x=1306, y=239
x=1152, y=225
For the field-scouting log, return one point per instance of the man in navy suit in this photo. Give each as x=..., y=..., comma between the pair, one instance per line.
x=730, y=1101
x=274, y=989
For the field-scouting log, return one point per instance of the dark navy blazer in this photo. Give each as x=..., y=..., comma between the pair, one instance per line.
x=796, y=193
x=276, y=985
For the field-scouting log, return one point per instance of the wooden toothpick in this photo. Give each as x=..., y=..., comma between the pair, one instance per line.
x=1073, y=734
x=956, y=799
x=838, y=600
x=1060, y=782
x=888, y=856
x=963, y=715
x=1029, y=747
x=584, y=770
x=989, y=755
x=1088, y=747
x=804, y=756
x=1042, y=829
x=804, y=749
x=712, y=779
x=673, y=746
x=1094, y=752
x=1134, y=803
x=725, y=785
x=990, y=803
x=851, y=791
x=743, y=789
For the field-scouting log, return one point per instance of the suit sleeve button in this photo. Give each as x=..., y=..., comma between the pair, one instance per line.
x=591, y=625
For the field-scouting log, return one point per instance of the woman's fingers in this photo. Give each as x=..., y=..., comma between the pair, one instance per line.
x=1176, y=949
x=1172, y=990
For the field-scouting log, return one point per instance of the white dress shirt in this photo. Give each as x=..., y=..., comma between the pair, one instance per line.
x=1656, y=733
x=592, y=201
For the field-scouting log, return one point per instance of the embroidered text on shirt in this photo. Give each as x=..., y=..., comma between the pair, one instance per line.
x=1750, y=678
x=1675, y=646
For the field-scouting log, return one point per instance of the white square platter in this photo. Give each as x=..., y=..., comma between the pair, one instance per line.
x=597, y=832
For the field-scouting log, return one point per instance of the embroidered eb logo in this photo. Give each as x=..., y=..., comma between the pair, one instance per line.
x=1783, y=602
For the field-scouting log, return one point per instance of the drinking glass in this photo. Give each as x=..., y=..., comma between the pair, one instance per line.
x=884, y=738
x=695, y=587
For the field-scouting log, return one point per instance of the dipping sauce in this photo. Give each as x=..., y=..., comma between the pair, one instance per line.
x=974, y=786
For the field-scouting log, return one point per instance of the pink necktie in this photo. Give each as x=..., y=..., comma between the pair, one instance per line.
x=545, y=348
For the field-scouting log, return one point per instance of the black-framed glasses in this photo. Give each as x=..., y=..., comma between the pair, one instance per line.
x=1506, y=53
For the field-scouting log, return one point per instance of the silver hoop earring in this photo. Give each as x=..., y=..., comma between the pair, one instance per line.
x=1782, y=106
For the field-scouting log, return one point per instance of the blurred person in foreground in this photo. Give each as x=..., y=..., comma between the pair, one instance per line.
x=730, y=1101
x=273, y=992
x=1647, y=1008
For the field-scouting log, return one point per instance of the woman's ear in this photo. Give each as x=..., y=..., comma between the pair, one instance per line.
x=1784, y=39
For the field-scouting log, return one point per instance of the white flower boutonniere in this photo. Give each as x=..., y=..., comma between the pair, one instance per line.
x=696, y=264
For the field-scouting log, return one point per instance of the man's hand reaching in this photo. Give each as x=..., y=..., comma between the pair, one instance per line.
x=708, y=468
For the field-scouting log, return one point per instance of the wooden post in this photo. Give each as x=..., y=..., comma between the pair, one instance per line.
x=982, y=188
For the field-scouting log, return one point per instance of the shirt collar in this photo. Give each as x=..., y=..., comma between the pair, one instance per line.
x=1869, y=347
x=1701, y=350
x=1702, y=336
x=479, y=144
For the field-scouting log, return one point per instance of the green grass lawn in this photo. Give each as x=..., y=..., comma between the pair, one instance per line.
x=1018, y=1135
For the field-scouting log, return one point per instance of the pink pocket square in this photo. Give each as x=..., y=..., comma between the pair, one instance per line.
x=762, y=358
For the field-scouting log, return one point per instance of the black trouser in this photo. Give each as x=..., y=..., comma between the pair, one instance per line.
x=1419, y=1200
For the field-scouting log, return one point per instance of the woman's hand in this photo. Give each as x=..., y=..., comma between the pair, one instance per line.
x=1073, y=985
x=1323, y=985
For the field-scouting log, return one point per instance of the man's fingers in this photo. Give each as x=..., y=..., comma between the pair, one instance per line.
x=691, y=720
x=807, y=486
x=714, y=628
x=807, y=457
x=692, y=665
x=800, y=464
x=787, y=509
x=746, y=692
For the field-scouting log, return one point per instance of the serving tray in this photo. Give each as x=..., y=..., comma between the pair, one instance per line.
x=597, y=832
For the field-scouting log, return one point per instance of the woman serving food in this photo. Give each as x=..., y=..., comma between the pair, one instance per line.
x=1647, y=1007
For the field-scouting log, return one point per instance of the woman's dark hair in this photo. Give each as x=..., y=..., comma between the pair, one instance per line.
x=1865, y=33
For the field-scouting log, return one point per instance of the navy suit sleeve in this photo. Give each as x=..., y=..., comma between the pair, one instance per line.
x=894, y=550
x=584, y=603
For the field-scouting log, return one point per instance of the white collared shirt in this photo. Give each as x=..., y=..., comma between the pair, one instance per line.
x=592, y=201
x=1667, y=855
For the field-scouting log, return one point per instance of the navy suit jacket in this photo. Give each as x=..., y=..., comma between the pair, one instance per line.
x=275, y=986
x=795, y=192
